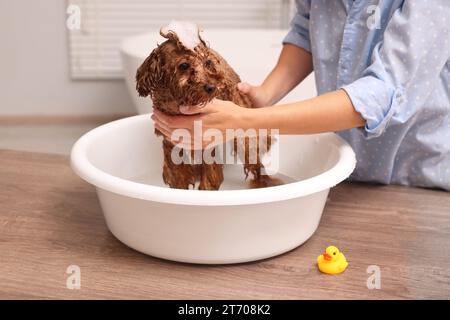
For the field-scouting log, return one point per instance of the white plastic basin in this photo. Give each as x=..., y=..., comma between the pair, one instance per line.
x=123, y=160
x=251, y=52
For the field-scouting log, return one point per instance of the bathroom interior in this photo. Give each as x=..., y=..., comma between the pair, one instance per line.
x=68, y=67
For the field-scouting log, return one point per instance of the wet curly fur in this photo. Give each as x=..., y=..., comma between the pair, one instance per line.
x=172, y=76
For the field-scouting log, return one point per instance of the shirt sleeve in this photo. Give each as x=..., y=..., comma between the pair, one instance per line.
x=299, y=33
x=411, y=56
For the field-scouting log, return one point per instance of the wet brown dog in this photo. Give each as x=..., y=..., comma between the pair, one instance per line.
x=174, y=75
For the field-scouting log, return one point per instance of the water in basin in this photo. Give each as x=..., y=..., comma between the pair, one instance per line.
x=234, y=178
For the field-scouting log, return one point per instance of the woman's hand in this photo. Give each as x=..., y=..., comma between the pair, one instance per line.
x=258, y=95
x=217, y=114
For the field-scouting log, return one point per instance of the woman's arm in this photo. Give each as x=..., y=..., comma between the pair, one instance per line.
x=294, y=64
x=329, y=112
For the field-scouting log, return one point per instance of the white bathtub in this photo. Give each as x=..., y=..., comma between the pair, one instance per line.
x=252, y=54
x=123, y=160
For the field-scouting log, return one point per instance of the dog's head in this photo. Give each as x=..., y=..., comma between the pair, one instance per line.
x=175, y=75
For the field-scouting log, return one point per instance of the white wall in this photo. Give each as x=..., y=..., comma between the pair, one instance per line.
x=34, y=72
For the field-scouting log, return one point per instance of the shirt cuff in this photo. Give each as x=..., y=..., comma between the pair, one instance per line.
x=299, y=39
x=375, y=101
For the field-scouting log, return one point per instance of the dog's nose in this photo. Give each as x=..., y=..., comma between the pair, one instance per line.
x=209, y=88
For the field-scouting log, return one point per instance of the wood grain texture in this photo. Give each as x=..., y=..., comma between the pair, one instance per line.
x=50, y=219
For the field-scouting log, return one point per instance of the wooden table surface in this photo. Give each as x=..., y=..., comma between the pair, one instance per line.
x=50, y=219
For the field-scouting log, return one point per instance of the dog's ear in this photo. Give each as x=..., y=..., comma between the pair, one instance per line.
x=150, y=74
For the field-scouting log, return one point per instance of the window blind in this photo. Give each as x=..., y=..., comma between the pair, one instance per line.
x=94, y=47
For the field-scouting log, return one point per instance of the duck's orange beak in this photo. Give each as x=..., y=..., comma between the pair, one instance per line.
x=326, y=256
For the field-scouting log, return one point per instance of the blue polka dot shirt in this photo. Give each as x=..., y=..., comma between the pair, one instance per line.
x=392, y=57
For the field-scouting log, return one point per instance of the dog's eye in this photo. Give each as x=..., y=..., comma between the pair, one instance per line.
x=208, y=63
x=184, y=66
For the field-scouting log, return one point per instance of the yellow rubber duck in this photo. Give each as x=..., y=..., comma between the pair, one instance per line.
x=332, y=261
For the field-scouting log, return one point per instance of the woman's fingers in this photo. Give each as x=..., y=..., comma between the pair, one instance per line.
x=183, y=141
x=168, y=121
x=201, y=109
x=173, y=122
x=189, y=110
x=167, y=133
x=159, y=124
x=244, y=87
x=255, y=93
x=161, y=118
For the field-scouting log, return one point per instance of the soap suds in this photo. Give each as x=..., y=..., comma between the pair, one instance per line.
x=187, y=32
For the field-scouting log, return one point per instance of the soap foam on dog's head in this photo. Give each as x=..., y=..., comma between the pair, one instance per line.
x=187, y=33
